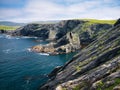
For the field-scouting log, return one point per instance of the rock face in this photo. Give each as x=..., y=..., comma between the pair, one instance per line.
x=6, y=31
x=65, y=36
x=2, y=31
x=68, y=43
x=68, y=36
x=48, y=31
x=44, y=49
x=96, y=67
x=33, y=30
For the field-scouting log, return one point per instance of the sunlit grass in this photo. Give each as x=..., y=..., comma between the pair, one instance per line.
x=93, y=21
x=3, y=27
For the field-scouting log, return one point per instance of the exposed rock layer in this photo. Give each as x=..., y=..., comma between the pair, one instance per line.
x=96, y=67
x=65, y=36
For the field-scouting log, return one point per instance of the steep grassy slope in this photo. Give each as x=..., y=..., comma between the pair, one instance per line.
x=92, y=28
x=88, y=31
x=96, y=67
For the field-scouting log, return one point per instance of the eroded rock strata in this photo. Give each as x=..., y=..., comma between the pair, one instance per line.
x=96, y=67
x=69, y=36
x=64, y=36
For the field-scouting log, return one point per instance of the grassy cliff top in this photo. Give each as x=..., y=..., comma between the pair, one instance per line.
x=90, y=21
x=93, y=21
x=3, y=27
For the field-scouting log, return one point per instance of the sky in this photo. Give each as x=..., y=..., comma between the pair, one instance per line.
x=43, y=10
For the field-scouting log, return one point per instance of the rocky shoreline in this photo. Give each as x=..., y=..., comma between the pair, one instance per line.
x=65, y=36
x=54, y=48
x=53, y=51
x=95, y=67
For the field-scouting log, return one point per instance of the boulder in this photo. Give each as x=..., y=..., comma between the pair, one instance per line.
x=37, y=48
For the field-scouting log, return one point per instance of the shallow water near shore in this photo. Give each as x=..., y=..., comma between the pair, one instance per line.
x=21, y=69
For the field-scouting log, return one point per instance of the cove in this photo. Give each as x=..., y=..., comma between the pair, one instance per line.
x=21, y=69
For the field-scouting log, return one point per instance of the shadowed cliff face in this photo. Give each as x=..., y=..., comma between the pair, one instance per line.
x=96, y=67
x=72, y=35
x=65, y=36
x=56, y=31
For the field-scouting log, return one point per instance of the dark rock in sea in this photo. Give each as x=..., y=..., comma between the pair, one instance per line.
x=9, y=32
x=2, y=31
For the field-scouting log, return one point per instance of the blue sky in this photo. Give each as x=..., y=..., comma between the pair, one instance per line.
x=42, y=10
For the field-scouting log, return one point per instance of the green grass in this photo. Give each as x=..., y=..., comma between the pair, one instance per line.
x=76, y=88
x=101, y=84
x=2, y=27
x=117, y=82
x=95, y=21
x=86, y=27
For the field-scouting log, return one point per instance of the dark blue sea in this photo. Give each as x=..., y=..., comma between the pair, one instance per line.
x=21, y=69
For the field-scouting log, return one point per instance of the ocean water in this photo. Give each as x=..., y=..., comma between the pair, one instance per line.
x=21, y=69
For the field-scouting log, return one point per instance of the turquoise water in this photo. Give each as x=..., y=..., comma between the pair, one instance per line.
x=21, y=69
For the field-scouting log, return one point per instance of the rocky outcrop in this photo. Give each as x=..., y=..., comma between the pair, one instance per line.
x=69, y=35
x=96, y=67
x=2, y=31
x=48, y=31
x=88, y=32
x=41, y=31
x=6, y=31
x=64, y=36
x=44, y=49
x=68, y=43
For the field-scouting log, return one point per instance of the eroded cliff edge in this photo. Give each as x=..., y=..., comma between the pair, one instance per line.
x=64, y=36
x=96, y=67
x=71, y=35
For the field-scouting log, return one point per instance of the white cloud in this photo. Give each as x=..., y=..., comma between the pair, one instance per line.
x=103, y=13
x=9, y=13
x=37, y=10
